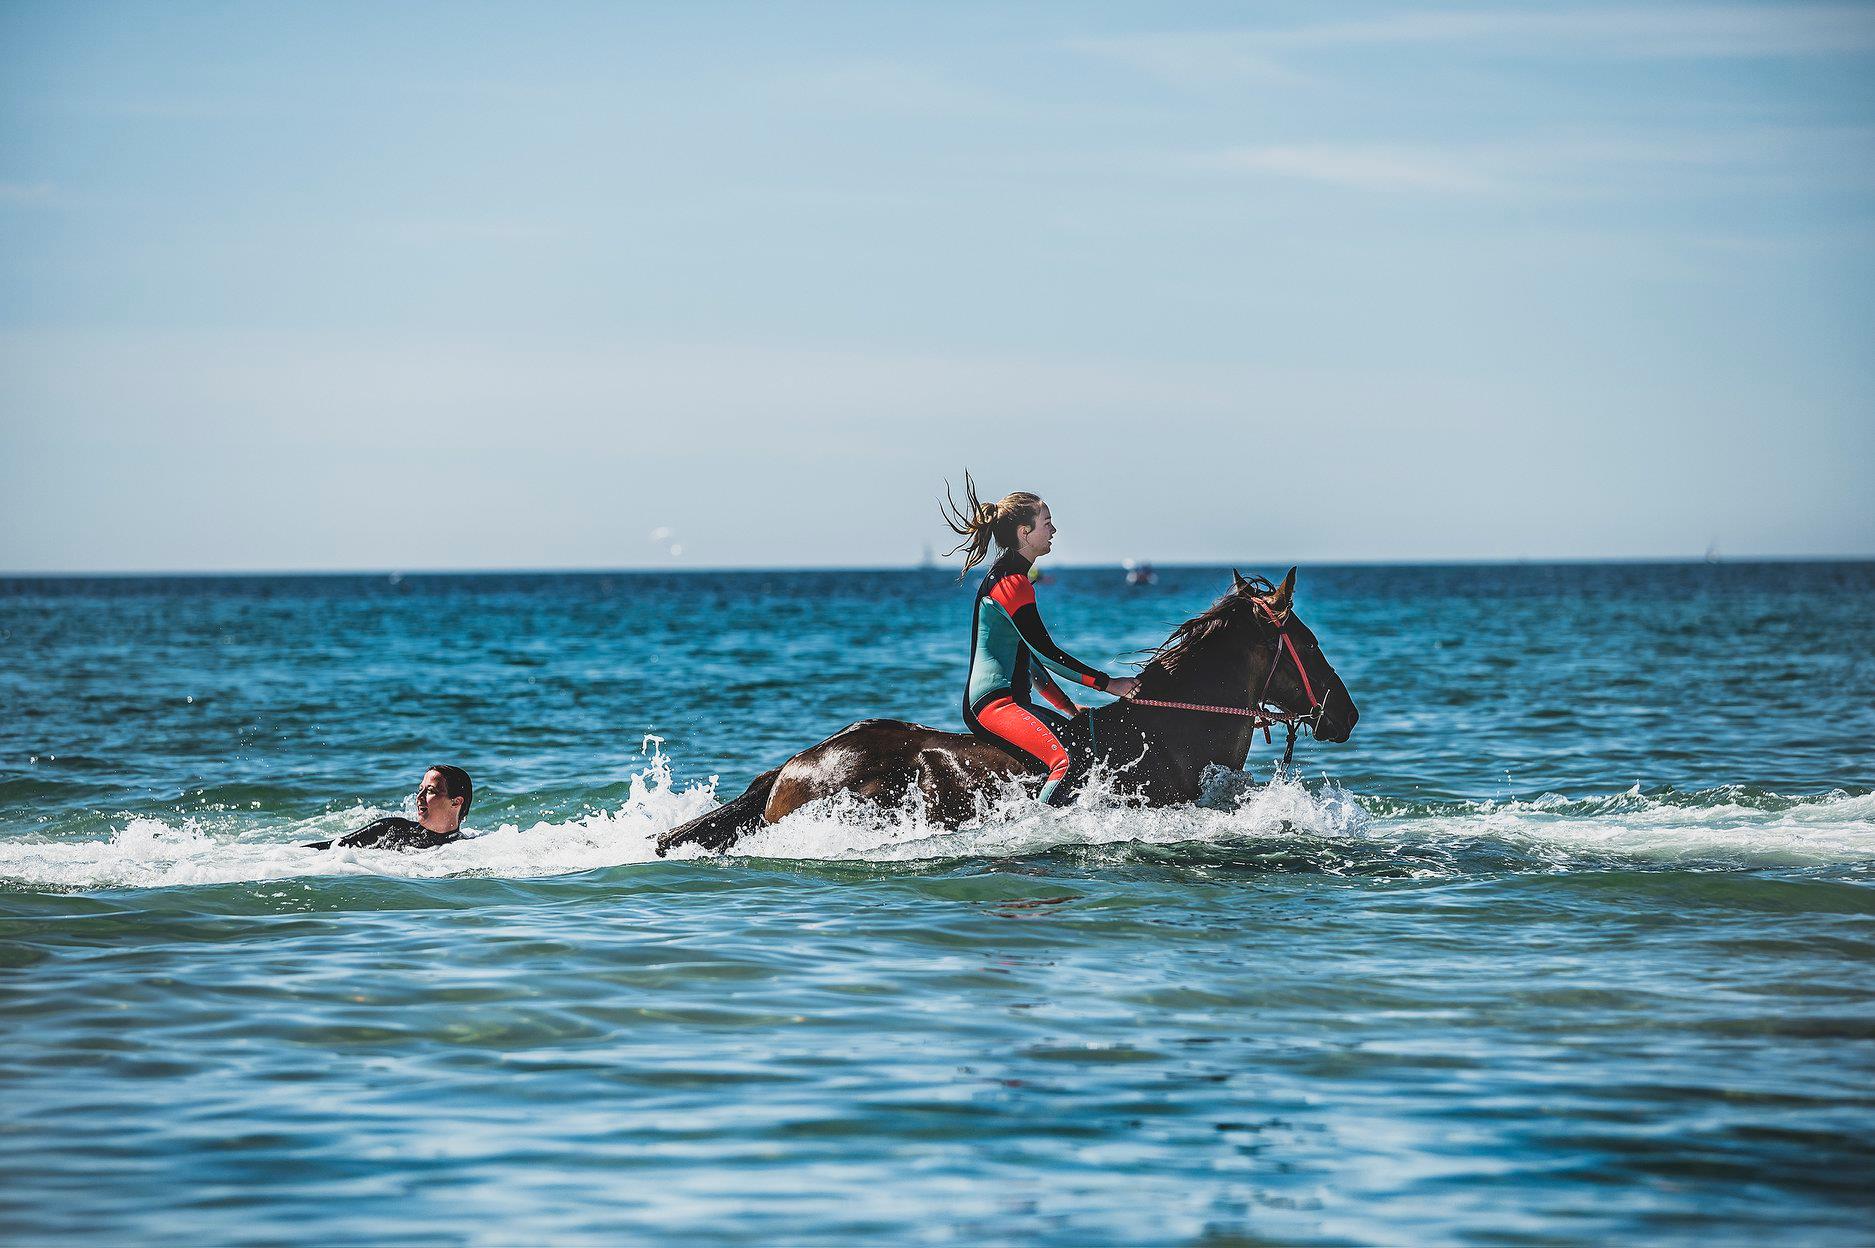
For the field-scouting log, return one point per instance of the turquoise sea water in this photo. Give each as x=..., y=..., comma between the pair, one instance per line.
x=1573, y=942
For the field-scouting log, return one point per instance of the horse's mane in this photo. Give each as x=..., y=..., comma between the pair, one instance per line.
x=1213, y=619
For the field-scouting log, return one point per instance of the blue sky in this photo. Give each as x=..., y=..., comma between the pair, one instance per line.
x=1267, y=283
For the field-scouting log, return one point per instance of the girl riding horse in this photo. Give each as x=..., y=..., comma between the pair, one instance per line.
x=1006, y=629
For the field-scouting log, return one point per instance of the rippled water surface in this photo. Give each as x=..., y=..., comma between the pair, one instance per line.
x=1573, y=942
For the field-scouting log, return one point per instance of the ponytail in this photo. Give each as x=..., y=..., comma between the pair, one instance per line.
x=980, y=523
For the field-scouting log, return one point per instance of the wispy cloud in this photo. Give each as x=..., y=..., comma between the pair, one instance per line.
x=1697, y=31
x=1760, y=159
x=1361, y=168
x=463, y=230
x=1706, y=31
x=26, y=192
x=894, y=86
x=158, y=109
x=1197, y=58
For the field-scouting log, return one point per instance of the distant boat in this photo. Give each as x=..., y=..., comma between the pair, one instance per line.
x=1139, y=572
x=929, y=563
x=1712, y=552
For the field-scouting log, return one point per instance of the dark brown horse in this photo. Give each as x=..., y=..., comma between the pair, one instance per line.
x=1249, y=650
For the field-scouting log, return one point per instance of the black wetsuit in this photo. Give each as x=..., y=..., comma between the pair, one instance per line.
x=391, y=832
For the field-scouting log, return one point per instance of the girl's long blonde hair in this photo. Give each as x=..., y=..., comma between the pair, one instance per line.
x=980, y=523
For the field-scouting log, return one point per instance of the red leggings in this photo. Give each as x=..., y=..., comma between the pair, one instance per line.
x=1014, y=724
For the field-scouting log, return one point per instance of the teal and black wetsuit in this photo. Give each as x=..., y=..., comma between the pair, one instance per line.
x=1005, y=629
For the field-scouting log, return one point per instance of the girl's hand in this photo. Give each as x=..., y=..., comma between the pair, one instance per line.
x=1122, y=686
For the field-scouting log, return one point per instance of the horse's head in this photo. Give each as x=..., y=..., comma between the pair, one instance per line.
x=1256, y=623
x=1302, y=681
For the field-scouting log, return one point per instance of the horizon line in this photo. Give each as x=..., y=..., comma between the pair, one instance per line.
x=648, y=569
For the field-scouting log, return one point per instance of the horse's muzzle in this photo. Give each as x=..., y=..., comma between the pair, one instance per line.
x=1336, y=722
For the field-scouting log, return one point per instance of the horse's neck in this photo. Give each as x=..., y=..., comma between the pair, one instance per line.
x=1226, y=673
x=1219, y=675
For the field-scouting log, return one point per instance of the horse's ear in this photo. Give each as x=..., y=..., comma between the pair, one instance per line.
x=1285, y=596
x=1238, y=584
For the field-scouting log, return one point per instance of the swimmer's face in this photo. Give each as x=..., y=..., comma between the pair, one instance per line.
x=436, y=810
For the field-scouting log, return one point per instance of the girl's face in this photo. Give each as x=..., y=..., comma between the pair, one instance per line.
x=1034, y=541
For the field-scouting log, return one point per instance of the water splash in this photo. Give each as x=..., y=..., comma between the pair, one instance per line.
x=1284, y=824
x=152, y=853
x=1013, y=824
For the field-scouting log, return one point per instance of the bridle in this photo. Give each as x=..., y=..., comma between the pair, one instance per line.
x=1260, y=713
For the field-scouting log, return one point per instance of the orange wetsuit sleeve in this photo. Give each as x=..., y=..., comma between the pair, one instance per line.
x=1046, y=685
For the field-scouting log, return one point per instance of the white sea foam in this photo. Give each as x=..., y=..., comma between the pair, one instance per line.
x=1708, y=828
x=1321, y=821
x=152, y=853
x=1014, y=824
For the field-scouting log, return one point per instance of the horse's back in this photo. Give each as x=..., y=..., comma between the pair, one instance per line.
x=881, y=760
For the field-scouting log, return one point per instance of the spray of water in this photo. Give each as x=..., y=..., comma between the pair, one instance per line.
x=1293, y=824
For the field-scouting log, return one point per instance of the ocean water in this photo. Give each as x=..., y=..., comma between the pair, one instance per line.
x=1572, y=943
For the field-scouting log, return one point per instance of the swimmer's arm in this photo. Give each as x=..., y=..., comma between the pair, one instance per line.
x=365, y=837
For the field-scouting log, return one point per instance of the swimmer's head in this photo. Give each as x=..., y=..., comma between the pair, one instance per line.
x=444, y=798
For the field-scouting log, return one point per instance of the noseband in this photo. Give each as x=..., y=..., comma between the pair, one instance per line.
x=1260, y=713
